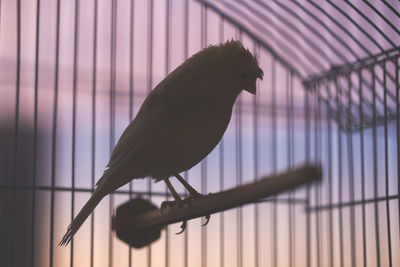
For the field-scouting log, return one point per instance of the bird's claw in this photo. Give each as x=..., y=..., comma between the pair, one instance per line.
x=179, y=203
x=183, y=227
x=208, y=219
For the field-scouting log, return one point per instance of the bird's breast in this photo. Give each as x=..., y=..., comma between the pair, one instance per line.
x=194, y=138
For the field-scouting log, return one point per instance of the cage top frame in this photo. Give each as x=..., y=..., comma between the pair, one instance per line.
x=313, y=37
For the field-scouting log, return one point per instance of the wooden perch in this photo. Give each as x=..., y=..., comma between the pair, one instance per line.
x=150, y=217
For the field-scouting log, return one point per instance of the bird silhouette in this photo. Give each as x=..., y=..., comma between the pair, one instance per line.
x=180, y=122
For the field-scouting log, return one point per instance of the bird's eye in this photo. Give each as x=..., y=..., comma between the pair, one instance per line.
x=243, y=75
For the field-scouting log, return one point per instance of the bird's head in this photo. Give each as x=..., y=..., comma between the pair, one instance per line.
x=241, y=67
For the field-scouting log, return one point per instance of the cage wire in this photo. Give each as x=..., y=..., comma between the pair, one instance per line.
x=74, y=73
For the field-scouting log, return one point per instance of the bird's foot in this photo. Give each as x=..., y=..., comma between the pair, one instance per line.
x=179, y=203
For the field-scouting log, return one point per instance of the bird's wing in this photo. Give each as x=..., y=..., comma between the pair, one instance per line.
x=159, y=112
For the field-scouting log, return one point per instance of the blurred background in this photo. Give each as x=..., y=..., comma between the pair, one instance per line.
x=74, y=73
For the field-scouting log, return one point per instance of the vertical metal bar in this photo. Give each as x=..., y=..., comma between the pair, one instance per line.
x=319, y=158
x=131, y=67
x=204, y=161
x=330, y=182
x=307, y=154
x=361, y=112
x=351, y=173
x=221, y=172
x=289, y=103
x=238, y=146
x=167, y=57
x=204, y=228
x=308, y=189
x=35, y=126
x=186, y=54
x=131, y=99
x=94, y=66
x=291, y=156
x=386, y=165
x=112, y=114
x=274, y=163
x=317, y=145
x=339, y=157
x=54, y=134
x=16, y=131
x=130, y=112
x=150, y=21
x=149, y=87
x=255, y=166
x=75, y=73
x=396, y=62
x=375, y=168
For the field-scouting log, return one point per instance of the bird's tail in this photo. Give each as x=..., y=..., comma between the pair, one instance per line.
x=82, y=216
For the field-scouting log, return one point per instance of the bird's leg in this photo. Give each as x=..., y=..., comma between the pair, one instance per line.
x=176, y=196
x=193, y=194
x=177, y=200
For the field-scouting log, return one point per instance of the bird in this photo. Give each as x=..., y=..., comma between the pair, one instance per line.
x=179, y=123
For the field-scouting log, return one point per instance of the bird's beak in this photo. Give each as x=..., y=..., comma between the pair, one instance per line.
x=252, y=88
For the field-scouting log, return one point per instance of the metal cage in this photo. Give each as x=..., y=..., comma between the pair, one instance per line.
x=74, y=73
